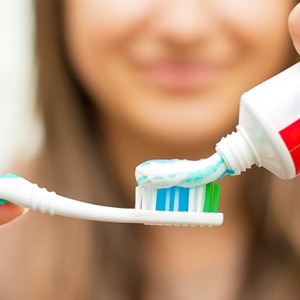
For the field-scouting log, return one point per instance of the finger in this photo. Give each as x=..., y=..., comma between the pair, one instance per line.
x=294, y=26
x=9, y=212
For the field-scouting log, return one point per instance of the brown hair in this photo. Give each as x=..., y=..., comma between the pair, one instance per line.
x=85, y=260
x=89, y=259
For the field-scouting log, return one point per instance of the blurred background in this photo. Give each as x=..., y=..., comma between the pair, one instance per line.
x=17, y=129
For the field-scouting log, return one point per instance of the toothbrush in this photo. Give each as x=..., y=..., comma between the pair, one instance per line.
x=166, y=206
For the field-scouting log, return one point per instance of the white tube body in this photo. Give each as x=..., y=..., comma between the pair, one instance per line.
x=268, y=133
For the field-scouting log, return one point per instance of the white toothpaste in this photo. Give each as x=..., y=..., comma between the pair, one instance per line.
x=185, y=173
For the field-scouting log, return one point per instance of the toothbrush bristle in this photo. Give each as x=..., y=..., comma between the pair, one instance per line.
x=202, y=198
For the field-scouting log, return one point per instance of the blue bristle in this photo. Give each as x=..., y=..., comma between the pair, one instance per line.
x=166, y=199
x=183, y=199
x=161, y=199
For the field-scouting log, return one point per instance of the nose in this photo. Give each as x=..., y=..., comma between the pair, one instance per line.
x=183, y=22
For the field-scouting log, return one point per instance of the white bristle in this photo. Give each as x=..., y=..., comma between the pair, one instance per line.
x=153, y=199
x=146, y=200
x=138, y=198
x=192, y=200
x=200, y=195
x=176, y=200
x=168, y=196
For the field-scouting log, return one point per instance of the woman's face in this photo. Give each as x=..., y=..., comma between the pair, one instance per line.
x=172, y=71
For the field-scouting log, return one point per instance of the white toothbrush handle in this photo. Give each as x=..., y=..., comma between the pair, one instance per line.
x=24, y=193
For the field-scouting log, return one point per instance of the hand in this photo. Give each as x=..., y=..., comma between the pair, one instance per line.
x=9, y=212
x=294, y=27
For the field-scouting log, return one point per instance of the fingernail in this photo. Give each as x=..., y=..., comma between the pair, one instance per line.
x=25, y=211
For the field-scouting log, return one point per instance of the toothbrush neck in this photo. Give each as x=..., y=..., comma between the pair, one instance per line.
x=237, y=151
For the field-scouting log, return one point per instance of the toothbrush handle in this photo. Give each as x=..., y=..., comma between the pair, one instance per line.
x=24, y=193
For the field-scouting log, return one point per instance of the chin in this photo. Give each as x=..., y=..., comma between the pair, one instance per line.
x=182, y=143
x=192, y=135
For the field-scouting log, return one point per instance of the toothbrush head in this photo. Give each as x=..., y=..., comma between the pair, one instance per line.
x=197, y=205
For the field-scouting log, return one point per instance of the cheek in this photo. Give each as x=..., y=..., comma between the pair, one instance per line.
x=106, y=19
x=96, y=33
x=255, y=13
x=259, y=25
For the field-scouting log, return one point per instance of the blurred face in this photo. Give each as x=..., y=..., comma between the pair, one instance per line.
x=172, y=71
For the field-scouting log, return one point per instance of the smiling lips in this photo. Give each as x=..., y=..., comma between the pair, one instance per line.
x=181, y=76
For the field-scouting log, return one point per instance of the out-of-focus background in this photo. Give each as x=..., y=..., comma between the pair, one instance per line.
x=17, y=132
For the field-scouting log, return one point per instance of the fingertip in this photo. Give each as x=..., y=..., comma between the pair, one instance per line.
x=9, y=212
x=294, y=26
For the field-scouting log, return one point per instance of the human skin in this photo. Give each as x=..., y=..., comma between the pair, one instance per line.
x=171, y=73
x=154, y=116
x=158, y=72
x=9, y=212
x=166, y=77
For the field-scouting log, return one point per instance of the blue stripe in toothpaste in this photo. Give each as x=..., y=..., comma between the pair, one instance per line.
x=184, y=173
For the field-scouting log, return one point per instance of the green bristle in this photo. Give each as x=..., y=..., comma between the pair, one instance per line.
x=208, y=197
x=216, y=197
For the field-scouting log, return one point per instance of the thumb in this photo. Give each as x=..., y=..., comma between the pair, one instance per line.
x=9, y=212
x=294, y=26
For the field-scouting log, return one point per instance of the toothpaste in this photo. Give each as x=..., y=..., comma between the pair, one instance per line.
x=184, y=173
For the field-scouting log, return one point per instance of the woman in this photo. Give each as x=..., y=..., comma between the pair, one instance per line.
x=122, y=83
